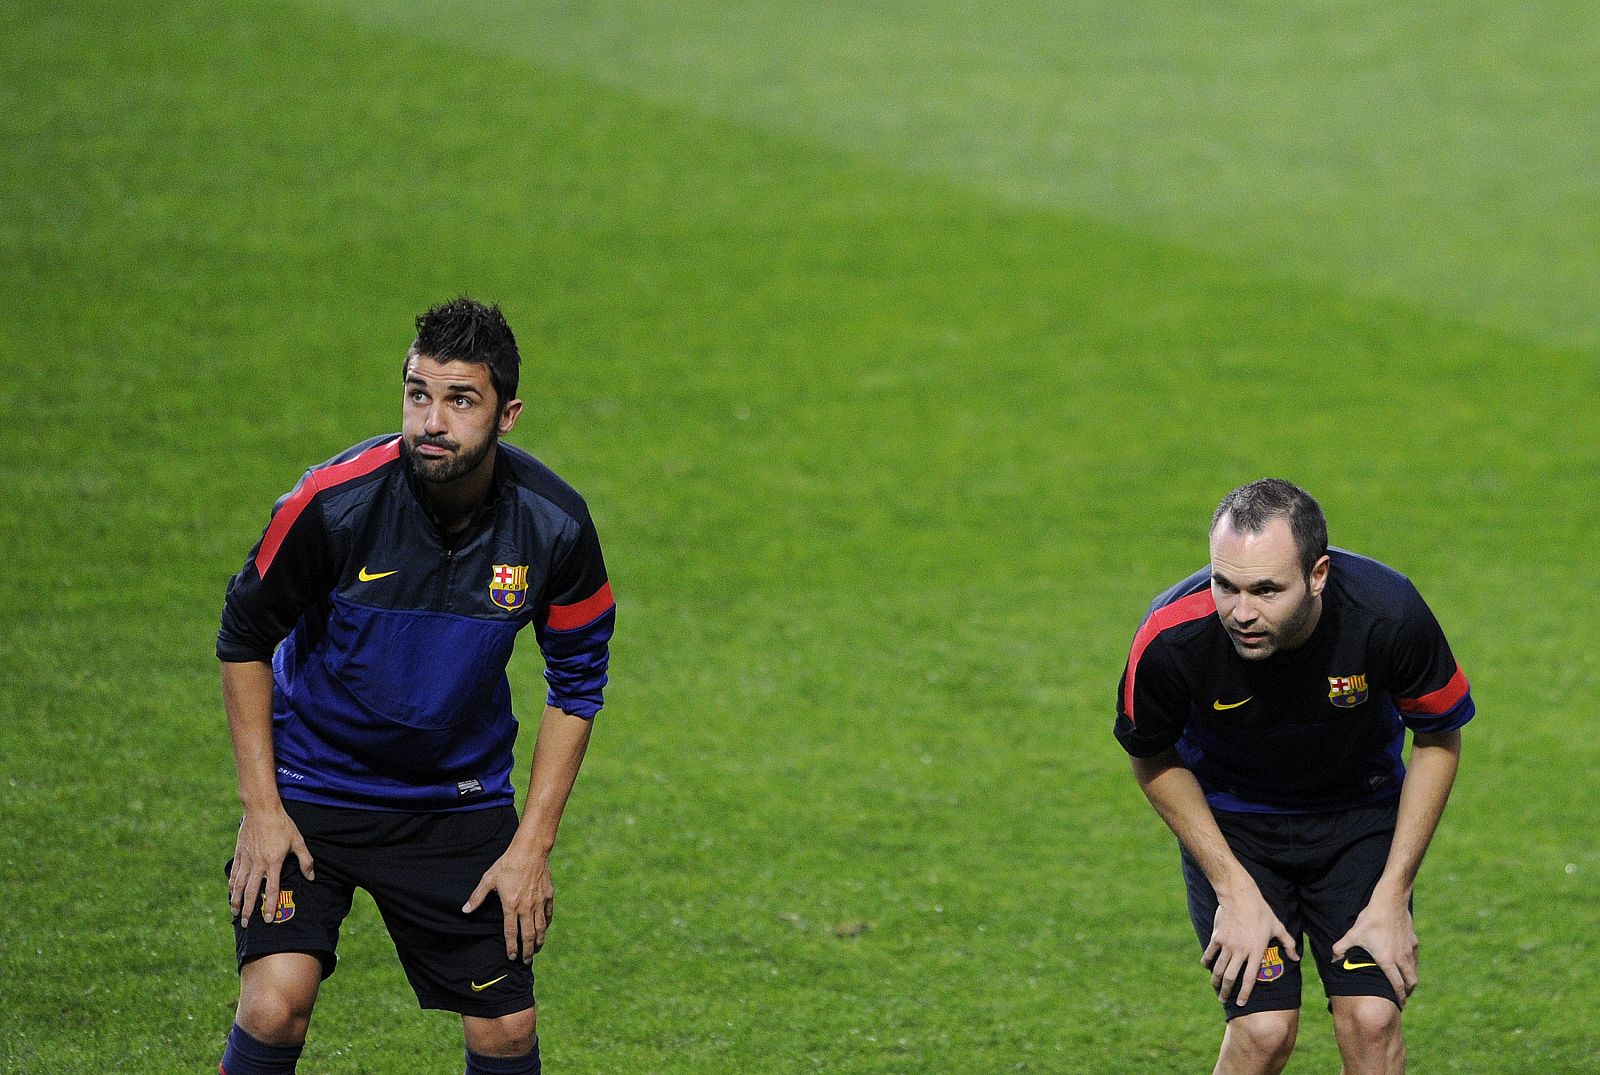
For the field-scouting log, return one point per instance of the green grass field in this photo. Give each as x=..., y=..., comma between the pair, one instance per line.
x=902, y=351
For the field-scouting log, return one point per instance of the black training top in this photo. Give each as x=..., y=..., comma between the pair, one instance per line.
x=1314, y=729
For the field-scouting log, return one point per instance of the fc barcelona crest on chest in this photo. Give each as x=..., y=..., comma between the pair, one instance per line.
x=508, y=586
x=1347, y=692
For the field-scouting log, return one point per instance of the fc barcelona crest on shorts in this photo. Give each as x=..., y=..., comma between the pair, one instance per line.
x=1347, y=692
x=1271, y=965
x=285, y=909
x=508, y=586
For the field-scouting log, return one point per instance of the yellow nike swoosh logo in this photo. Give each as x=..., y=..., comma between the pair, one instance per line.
x=366, y=576
x=1357, y=966
x=476, y=988
x=1218, y=704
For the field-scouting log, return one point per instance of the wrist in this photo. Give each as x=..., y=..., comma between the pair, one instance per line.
x=1236, y=890
x=533, y=841
x=261, y=800
x=1390, y=894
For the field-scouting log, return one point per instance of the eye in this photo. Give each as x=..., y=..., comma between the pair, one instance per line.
x=461, y=402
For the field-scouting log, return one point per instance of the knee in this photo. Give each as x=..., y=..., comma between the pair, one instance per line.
x=505, y=1035
x=274, y=1018
x=1368, y=1022
x=276, y=996
x=1268, y=1037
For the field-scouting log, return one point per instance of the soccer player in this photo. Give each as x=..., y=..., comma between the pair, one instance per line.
x=364, y=649
x=1264, y=705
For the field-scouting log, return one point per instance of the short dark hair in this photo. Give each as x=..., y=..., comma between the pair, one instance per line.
x=1251, y=507
x=465, y=330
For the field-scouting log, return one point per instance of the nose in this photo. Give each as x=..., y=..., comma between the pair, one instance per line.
x=433, y=422
x=1244, y=613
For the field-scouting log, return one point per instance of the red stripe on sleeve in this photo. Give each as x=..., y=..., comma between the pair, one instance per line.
x=1440, y=701
x=1193, y=607
x=316, y=481
x=582, y=614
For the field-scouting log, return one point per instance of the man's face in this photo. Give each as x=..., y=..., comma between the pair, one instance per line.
x=451, y=417
x=1263, y=599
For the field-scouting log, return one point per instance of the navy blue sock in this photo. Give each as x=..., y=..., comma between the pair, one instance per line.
x=247, y=1056
x=527, y=1064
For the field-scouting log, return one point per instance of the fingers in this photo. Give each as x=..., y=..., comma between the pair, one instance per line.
x=1228, y=968
x=532, y=938
x=527, y=905
x=237, y=882
x=1403, y=977
x=269, y=898
x=1408, y=971
x=246, y=883
x=474, y=901
x=1291, y=946
x=516, y=925
x=302, y=854
x=1247, y=978
x=543, y=912
x=513, y=927
x=1397, y=983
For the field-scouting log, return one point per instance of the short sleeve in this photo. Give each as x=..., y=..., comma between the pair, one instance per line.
x=1152, y=702
x=1429, y=687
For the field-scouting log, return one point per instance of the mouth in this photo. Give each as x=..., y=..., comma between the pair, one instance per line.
x=431, y=450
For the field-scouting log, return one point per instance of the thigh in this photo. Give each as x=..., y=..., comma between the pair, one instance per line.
x=1357, y=846
x=1278, y=979
x=308, y=913
x=419, y=881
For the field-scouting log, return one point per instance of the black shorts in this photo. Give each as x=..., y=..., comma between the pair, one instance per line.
x=419, y=870
x=1316, y=872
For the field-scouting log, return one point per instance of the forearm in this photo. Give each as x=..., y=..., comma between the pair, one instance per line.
x=1176, y=795
x=247, y=697
x=557, y=756
x=1429, y=778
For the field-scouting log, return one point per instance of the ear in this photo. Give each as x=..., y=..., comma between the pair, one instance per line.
x=1319, y=575
x=508, y=416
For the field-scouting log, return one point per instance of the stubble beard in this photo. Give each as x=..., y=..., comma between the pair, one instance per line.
x=451, y=467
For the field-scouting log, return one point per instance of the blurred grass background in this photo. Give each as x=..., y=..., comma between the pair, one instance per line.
x=902, y=352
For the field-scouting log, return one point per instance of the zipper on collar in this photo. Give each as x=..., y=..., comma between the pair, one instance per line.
x=447, y=578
